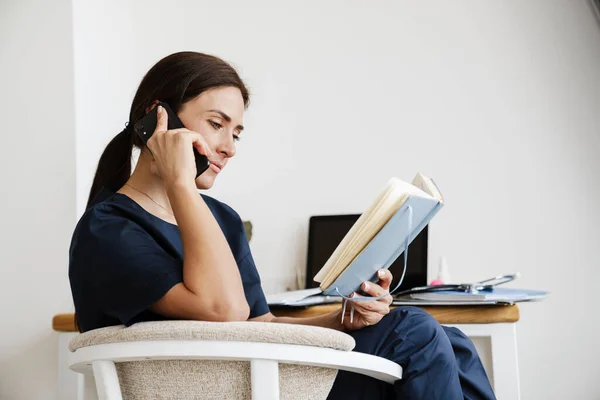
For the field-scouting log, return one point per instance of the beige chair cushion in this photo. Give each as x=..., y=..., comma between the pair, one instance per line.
x=263, y=332
x=193, y=379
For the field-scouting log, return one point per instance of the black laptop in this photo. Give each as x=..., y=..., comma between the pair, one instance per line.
x=325, y=232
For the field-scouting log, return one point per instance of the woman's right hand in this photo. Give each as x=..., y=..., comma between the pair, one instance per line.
x=172, y=151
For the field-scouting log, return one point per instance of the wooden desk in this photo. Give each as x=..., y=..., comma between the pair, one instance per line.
x=491, y=328
x=443, y=314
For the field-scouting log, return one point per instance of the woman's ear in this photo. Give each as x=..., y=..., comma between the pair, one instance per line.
x=151, y=106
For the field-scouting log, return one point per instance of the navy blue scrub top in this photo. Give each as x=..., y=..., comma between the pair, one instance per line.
x=123, y=259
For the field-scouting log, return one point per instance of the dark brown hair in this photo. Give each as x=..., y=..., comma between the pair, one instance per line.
x=175, y=79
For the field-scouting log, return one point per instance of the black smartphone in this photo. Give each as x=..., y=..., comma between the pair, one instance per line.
x=145, y=127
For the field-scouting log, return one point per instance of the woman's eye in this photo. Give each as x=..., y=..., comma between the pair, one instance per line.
x=215, y=125
x=236, y=138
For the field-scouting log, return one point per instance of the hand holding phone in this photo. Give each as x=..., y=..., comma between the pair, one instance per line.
x=146, y=127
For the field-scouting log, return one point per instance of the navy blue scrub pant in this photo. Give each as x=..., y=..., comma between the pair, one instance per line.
x=438, y=362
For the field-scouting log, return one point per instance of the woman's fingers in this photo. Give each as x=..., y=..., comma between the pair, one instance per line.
x=388, y=299
x=365, y=307
x=385, y=278
x=172, y=151
x=162, y=120
x=179, y=130
x=200, y=144
x=373, y=289
x=371, y=310
x=197, y=139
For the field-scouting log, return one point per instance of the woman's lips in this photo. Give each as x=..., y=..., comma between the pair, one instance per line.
x=215, y=167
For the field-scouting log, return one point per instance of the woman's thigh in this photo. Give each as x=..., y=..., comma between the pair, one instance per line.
x=413, y=339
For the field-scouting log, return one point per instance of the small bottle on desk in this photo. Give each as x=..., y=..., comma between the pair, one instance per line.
x=443, y=274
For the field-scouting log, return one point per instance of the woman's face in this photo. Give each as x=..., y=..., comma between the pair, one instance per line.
x=217, y=115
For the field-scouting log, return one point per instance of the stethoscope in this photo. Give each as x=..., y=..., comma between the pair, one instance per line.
x=485, y=285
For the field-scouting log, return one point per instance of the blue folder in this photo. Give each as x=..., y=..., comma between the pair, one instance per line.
x=509, y=295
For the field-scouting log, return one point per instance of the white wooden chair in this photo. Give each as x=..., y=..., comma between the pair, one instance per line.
x=214, y=360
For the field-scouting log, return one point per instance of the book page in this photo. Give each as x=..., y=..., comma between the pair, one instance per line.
x=352, y=233
x=366, y=228
x=372, y=225
x=428, y=186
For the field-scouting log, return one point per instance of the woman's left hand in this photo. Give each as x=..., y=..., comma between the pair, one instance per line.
x=368, y=313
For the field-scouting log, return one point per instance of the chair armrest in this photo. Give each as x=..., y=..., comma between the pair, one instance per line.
x=374, y=366
x=258, y=332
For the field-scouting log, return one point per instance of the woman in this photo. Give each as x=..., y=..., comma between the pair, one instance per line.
x=149, y=247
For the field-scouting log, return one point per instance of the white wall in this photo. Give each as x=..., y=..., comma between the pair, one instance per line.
x=103, y=57
x=37, y=173
x=498, y=101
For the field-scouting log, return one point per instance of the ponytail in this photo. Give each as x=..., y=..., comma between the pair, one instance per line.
x=114, y=167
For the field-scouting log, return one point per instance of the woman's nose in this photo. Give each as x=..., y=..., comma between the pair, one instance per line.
x=226, y=146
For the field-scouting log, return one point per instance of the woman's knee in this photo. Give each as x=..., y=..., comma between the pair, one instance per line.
x=460, y=341
x=421, y=337
x=405, y=310
x=414, y=317
x=417, y=325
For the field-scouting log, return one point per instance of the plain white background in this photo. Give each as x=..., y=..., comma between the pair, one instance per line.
x=37, y=178
x=497, y=101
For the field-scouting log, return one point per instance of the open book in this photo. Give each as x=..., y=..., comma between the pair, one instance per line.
x=376, y=239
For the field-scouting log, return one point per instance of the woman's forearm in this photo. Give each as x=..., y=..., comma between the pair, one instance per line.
x=331, y=320
x=209, y=268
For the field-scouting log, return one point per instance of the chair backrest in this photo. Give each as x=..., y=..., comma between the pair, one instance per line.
x=216, y=379
x=193, y=379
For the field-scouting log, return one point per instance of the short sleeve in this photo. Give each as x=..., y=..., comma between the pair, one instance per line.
x=125, y=268
x=252, y=287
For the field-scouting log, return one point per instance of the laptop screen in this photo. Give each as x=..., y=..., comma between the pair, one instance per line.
x=325, y=232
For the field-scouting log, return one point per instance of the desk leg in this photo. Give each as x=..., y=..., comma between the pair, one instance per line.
x=505, y=361
x=504, y=371
x=67, y=379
